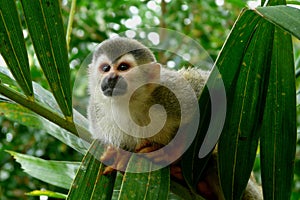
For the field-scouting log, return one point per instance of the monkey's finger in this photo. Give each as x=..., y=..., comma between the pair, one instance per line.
x=122, y=164
x=109, y=154
x=121, y=161
x=148, y=149
x=108, y=170
x=145, y=143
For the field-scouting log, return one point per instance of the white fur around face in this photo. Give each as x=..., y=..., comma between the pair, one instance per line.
x=102, y=122
x=109, y=118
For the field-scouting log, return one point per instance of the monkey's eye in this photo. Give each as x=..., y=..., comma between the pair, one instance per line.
x=105, y=68
x=123, y=67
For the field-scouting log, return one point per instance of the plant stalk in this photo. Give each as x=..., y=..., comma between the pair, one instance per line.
x=42, y=111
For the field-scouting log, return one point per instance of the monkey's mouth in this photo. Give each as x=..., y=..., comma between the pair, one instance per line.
x=113, y=91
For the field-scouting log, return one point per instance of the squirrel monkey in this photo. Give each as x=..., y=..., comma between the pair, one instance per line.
x=128, y=89
x=125, y=71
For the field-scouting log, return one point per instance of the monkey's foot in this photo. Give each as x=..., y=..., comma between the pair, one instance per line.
x=115, y=158
x=176, y=172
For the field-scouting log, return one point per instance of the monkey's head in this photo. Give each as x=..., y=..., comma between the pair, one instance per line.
x=119, y=65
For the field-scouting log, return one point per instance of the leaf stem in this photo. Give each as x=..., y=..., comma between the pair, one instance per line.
x=70, y=22
x=293, y=2
x=43, y=111
x=297, y=73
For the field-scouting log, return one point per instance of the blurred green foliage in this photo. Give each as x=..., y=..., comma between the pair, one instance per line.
x=208, y=22
x=14, y=183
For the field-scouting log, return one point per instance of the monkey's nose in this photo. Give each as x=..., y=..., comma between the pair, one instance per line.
x=112, y=80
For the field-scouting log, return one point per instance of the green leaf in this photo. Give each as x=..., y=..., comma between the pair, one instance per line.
x=178, y=192
x=118, y=183
x=5, y=77
x=278, y=131
x=283, y=16
x=58, y=173
x=239, y=140
x=47, y=193
x=89, y=182
x=20, y=114
x=233, y=50
x=183, y=192
x=12, y=45
x=231, y=56
x=26, y=117
x=45, y=26
x=146, y=185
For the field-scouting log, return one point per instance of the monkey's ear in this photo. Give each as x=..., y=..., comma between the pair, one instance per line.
x=153, y=71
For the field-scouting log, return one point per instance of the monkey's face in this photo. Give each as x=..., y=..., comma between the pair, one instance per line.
x=113, y=82
x=122, y=76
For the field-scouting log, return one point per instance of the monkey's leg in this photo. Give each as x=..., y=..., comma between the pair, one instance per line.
x=119, y=159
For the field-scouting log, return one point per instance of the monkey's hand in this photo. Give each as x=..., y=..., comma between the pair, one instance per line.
x=163, y=156
x=160, y=156
x=145, y=146
x=116, y=159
